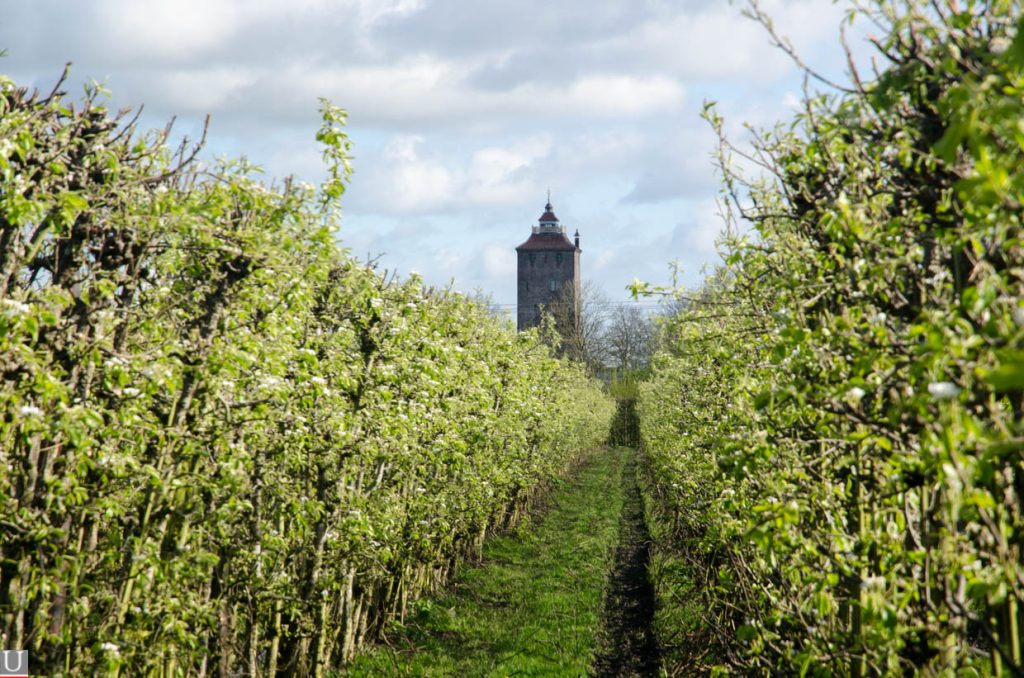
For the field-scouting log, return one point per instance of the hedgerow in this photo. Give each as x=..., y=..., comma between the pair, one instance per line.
x=225, y=445
x=835, y=435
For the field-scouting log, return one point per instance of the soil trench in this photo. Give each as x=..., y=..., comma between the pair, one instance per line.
x=628, y=646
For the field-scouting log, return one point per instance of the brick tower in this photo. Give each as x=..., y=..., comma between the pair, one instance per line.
x=549, y=270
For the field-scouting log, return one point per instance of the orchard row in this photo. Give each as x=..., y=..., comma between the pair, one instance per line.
x=226, y=446
x=835, y=440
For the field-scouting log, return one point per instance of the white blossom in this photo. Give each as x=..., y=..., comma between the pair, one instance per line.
x=875, y=582
x=31, y=411
x=1018, y=315
x=270, y=381
x=943, y=390
x=110, y=647
x=855, y=394
x=1000, y=44
x=17, y=307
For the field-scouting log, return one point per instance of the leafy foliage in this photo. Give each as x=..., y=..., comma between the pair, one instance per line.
x=835, y=438
x=226, y=446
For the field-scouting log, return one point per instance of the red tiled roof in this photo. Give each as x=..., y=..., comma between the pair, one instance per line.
x=547, y=241
x=548, y=216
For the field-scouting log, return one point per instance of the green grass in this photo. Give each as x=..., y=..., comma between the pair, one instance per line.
x=532, y=606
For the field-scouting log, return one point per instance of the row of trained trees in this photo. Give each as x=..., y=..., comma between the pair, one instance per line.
x=836, y=437
x=226, y=447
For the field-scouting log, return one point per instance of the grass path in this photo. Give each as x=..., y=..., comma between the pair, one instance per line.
x=532, y=607
x=628, y=645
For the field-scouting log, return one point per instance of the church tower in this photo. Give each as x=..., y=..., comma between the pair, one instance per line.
x=548, y=270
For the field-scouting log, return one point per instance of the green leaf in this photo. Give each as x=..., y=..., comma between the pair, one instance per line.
x=1015, y=53
x=1008, y=375
x=746, y=633
x=947, y=146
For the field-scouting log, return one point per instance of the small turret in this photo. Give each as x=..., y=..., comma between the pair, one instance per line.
x=548, y=221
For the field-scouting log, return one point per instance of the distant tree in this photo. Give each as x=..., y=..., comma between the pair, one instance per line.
x=629, y=338
x=581, y=324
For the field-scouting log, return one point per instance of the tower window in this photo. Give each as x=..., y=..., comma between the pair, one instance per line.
x=558, y=258
x=553, y=285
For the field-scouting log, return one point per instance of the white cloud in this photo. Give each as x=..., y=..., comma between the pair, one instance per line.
x=502, y=175
x=701, y=234
x=620, y=95
x=604, y=260
x=438, y=92
x=415, y=183
x=207, y=89
x=499, y=260
x=462, y=112
x=410, y=176
x=449, y=262
x=164, y=29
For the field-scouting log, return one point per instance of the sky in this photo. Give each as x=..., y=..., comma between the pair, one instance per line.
x=463, y=113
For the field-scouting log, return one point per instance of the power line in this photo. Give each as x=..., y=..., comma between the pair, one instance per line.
x=645, y=304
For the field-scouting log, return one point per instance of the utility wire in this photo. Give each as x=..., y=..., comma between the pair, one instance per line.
x=645, y=304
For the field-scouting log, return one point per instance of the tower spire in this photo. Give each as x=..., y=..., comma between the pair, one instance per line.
x=548, y=222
